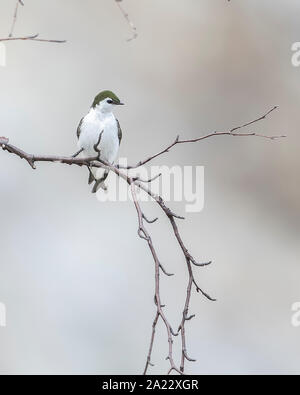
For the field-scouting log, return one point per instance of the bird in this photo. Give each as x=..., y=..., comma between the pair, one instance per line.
x=99, y=132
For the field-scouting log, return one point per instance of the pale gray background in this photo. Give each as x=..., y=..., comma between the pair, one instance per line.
x=76, y=280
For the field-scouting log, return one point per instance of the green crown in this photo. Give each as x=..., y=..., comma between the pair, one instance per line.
x=105, y=95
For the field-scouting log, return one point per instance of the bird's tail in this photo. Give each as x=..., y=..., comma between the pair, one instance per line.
x=98, y=179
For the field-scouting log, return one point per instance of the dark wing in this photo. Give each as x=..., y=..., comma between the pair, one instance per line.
x=79, y=128
x=119, y=132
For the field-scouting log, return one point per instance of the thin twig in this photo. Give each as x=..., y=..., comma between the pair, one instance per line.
x=231, y=132
x=15, y=17
x=32, y=38
x=128, y=20
x=149, y=363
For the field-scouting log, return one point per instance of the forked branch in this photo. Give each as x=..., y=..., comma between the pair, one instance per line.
x=32, y=37
x=135, y=183
x=232, y=132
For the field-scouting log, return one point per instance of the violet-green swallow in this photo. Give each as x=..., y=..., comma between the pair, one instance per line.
x=100, y=120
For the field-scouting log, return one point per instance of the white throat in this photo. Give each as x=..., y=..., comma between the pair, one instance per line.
x=101, y=113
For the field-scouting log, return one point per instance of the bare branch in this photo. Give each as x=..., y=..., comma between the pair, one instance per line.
x=150, y=221
x=77, y=153
x=34, y=37
x=191, y=280
x=148, y=180
x=148, y=363
x=128, y=20
x=15, y=17
x=165, y=272
x=159, y=311
x=144, y=234
x=231, y=132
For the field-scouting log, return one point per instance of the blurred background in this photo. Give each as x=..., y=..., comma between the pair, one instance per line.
x=77, y=282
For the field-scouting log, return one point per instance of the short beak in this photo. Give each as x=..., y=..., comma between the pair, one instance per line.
x=120, y=104
x=116, y=103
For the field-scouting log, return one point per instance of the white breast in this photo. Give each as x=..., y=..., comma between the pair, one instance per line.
x=91, y=127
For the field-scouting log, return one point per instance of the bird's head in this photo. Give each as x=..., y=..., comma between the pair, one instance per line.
x=105, y=101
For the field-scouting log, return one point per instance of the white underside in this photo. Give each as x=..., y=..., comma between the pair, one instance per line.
x=92, y=125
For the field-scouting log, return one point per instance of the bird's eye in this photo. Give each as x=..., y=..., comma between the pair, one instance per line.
x=109, y=101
